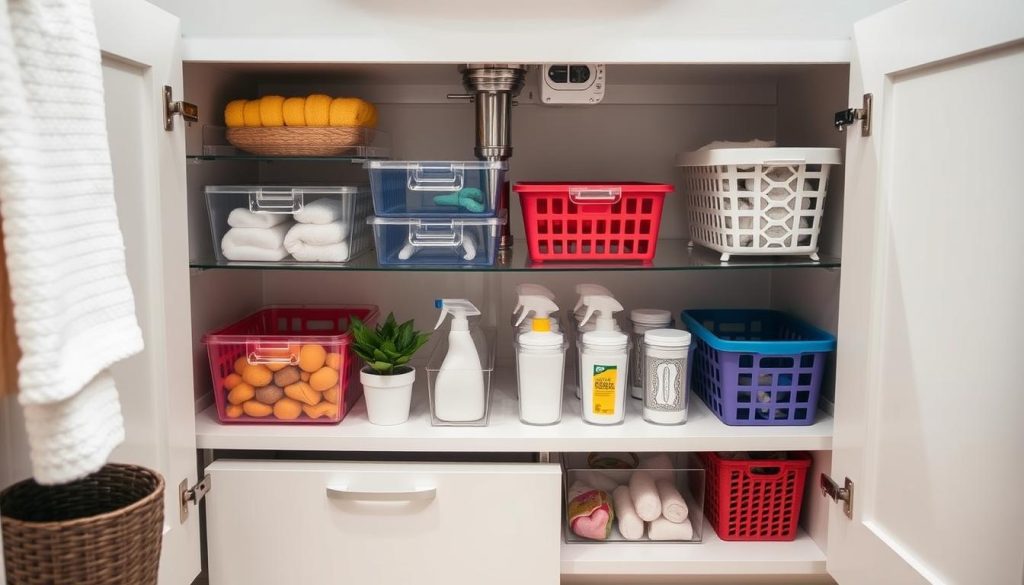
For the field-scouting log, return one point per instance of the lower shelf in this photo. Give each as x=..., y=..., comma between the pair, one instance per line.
x=712, y=557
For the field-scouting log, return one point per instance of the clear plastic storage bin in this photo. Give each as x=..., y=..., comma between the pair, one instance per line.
x=436, y=188
x=287, y=365
x=288, y=224
x=607, y=471
x=459, y=404
x=436, y=241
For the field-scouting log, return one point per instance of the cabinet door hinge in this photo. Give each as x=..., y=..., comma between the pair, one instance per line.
x=191, y=495
x=846, y=117
x=188, y=112
x=839, y=494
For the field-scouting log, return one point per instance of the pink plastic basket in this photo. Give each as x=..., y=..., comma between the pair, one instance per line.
x=273, y=339
x=592, y=221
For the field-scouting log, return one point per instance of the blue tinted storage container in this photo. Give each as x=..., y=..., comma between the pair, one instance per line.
x=436, y=188
x=436, y=241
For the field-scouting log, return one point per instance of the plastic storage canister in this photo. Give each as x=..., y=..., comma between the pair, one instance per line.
x=540, y=364
x=665, y=358
x=604, y=367
x=643, y=321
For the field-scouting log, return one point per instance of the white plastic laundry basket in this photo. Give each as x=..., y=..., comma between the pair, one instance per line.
x=766, y=201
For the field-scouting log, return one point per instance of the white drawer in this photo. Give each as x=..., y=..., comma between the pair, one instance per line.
x=319, y=523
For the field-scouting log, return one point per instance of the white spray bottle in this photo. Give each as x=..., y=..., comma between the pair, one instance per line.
x=604, y=363
x=540, y=363
x=521, y=311
x=585, y=290
x=459, y=392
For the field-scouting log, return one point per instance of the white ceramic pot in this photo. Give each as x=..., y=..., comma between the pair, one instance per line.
x=388, y=398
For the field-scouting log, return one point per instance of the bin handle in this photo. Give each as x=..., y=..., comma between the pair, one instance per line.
x=270, y=352
x=275, y=200
x=765, y=471
x=422, y=235
x=436, y=178
x=586, y=195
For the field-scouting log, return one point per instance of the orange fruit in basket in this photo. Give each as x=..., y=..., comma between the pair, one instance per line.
x=312, y=357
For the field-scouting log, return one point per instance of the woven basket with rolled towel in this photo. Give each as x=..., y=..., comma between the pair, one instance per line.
x=315, y=125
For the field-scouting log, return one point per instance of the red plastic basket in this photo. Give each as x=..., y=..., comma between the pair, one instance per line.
x=273, y=338
x=592, y=221
x=755, y=499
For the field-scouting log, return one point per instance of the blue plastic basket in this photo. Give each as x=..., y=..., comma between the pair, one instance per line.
x=757, y=367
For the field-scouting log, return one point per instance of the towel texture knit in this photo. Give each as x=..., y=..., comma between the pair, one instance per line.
x=73, y=306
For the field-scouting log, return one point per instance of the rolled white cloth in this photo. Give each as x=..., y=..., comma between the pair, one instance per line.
x=321, y=211
x=330, y=253
x=241, y=217
x=266, y=238
x=662, y=528
x=317, y=234
x=631, y=526
x=673, y=506
x=645, y=495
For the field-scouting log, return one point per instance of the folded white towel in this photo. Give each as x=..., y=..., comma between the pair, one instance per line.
x=330, y=253
x=663, y=529
x=673, y=506
x=645, y=495
x=631, y=527
x=317, y=234
x=253, y=253
x=320, y=211
x=241, y=217
x=659, y=465
x=74, y=310
x=267, y=238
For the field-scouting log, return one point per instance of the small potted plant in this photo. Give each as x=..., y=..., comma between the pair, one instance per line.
x=387, y=377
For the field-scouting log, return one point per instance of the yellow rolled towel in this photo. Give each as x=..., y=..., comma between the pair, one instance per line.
x=234, y=114
x=318, y=110
x=251, y=113
x=294, y=110
x=272, y=110
x=344, y=111
x=370, y=112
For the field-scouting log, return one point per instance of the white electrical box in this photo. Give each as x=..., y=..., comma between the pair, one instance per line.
x=572, y=83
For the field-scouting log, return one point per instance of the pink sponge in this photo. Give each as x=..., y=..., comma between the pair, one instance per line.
x=590, y=512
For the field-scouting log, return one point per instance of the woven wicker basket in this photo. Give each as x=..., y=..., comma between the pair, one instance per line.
x=299, y=141
x=103, y=529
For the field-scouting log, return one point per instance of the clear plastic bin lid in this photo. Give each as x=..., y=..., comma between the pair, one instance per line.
x=454, y=222
x=305, y=189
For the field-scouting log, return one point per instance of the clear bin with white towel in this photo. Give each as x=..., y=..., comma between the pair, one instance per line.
x=437, y=241
x=289, y=224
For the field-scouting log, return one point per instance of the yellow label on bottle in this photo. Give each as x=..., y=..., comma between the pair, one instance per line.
x=604, y=380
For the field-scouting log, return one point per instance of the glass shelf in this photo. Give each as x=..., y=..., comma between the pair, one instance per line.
x=672, y=255
x=239, y=156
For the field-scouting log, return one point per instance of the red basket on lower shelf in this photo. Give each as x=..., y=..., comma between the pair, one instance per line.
x=755, y=499
x=287, y=365
x=592, y=221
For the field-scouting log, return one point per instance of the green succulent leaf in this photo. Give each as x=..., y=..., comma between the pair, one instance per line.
x=387, y=345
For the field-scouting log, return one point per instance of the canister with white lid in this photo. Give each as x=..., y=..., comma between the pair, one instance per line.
x=643, y=320
x=665, y=375
x=604, y=370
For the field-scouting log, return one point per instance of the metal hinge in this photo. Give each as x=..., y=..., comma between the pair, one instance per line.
x=839, y=494
x=846, y=117
x=191, y=495
x=189, y=112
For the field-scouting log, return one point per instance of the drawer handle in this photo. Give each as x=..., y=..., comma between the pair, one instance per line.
x=442, y=179
x=783, y=162
x=417, y=495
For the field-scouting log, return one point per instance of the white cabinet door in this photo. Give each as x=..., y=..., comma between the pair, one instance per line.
x=928, y=391
x=140, y=55
x=323, y=523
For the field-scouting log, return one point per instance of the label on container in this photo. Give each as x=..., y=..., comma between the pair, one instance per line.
x=663, y=388
x=603, y=389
